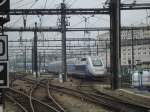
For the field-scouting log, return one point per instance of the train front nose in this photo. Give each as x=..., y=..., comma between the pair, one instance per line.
x=99, y=71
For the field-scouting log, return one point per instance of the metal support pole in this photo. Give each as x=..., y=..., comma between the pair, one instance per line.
x=32, y=58
x=115, y=43
x=25, y=64
x=35, y=53
x=44, y=61
x=89, y=49
x=132, y=33
x=97, y=50
x=1, y=100
x=106, y=53
x=40, y=60
x=63, y=31
x=2, y=91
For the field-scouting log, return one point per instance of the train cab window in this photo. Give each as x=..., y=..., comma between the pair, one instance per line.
x=96, y=62
x=83, y=59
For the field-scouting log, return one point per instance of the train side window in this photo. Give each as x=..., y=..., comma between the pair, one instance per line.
x=83, y=59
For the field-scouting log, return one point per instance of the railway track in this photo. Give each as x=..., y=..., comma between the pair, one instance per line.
x=44, y=101
x=109, y=102
x=48, y=99
x=15, y=77
x=99, y=99
x=127, y=106
x=29, y=103
x=22, y=99
x=20, y=107
x=51, y=97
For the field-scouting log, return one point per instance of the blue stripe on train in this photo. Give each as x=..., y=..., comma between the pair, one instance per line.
x=79, y=70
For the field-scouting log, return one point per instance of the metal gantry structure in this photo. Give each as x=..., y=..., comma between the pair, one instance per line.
x=35, y=57
x=113, y=8
x=115, y=40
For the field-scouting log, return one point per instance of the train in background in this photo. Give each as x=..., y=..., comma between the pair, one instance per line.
x=141, y=77
x=88, y=66
x=20, y=67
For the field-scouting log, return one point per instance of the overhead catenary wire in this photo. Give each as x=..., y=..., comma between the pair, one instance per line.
x=45, y=4
x=51, y=3
x=67, y=2
x=73, y=2
x=137, y=1
x=25, y=4
x=22, y=15
x=16, y=2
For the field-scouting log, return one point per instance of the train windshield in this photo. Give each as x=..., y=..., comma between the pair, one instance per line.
x=96, y=62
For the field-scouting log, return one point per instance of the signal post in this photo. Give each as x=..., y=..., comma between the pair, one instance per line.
x=4, y=83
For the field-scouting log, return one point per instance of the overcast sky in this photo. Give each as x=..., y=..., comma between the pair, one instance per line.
x=128, y=17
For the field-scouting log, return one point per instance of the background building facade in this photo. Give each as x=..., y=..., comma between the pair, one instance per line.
x=135, y=46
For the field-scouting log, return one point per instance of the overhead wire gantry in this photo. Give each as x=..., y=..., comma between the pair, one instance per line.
x=113, y=8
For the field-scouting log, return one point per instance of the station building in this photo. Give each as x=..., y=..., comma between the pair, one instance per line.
x=140, y=46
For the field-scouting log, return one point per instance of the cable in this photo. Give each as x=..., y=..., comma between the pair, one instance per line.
x=77, y=24
x=22, y=15
x=45, y=4
x=137, y=1
x=104, y=19
x=14, y=3
x=68, y=2
x=52, y=2
x=33, y=4
x=73, y=3
x=24, y=4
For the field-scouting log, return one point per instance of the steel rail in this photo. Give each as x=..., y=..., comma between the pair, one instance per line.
x=20, y=97
x=16, y=102
x=53, y=99
x=102, y=100
x=33, y=99
x=34, y=87
x=30, y=98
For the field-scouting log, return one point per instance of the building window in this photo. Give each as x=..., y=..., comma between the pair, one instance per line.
x=124, y=59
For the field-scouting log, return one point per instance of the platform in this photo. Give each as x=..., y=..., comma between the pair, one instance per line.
x=136, y=92
x=128, y=94
x=1, y=108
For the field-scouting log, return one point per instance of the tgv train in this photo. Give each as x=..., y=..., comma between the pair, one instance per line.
x=141, y=79
x=89, y=66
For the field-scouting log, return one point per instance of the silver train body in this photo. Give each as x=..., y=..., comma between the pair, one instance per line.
x=141, y=79
x=88, y=66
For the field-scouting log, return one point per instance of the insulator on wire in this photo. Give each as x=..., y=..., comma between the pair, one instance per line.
x=24, y=21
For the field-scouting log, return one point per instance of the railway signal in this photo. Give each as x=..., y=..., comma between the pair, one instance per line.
x=3, y=74
x=1, y=101
x=3, y=48
x=4, y=18
x=4, y=9
x=3, y=61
